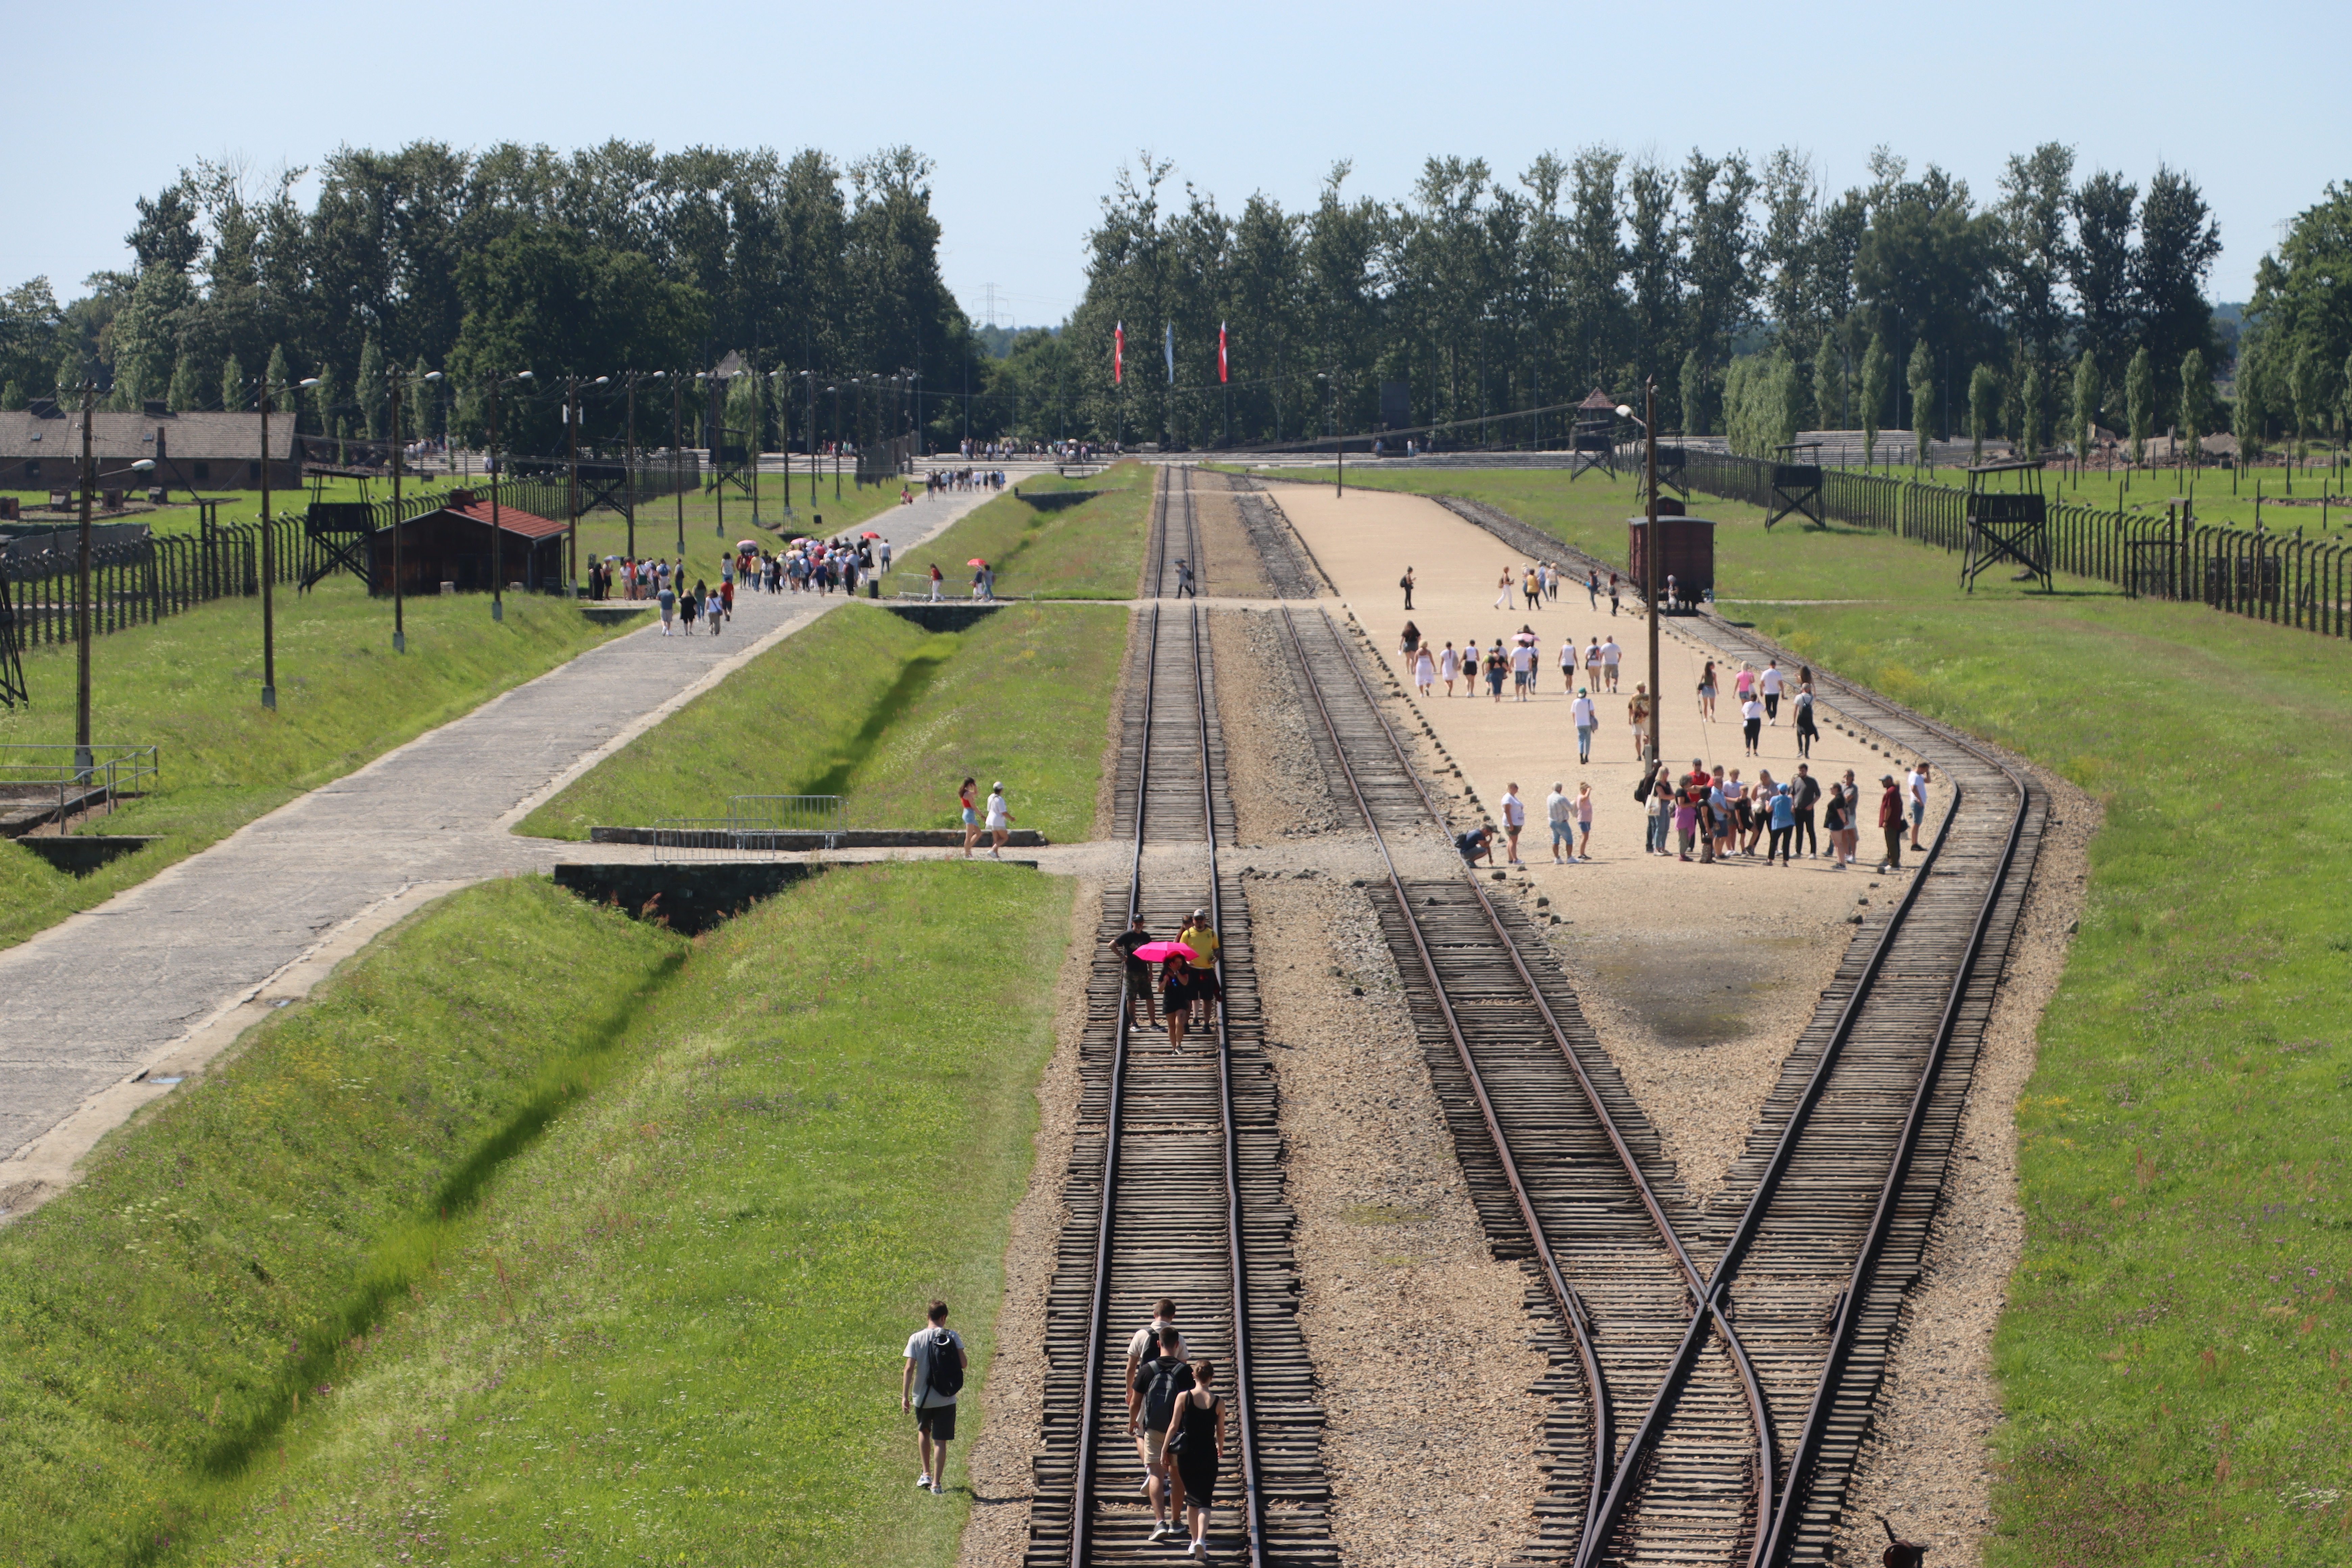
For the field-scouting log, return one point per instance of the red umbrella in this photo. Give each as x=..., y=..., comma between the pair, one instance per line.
x=1524, y=639
x=975, y=561
x=869, y=533
x=1162, y=952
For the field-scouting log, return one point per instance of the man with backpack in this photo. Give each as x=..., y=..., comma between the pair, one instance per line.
x=1152, y=1396
x=927, y=1385
x=1145, y=1346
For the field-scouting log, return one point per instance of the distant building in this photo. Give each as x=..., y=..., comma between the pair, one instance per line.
x=40, y=449
x=453, y=545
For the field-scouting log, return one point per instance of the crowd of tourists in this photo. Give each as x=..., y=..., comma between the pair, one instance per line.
x=1712, y=813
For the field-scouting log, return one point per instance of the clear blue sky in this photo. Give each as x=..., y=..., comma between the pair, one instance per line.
x=1028, y=111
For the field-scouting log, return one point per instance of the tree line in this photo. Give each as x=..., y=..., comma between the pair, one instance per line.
x=1743, y=286
x=482, y=264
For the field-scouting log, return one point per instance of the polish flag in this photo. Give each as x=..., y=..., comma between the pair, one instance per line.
x=1117, y=351
x=1221, y=352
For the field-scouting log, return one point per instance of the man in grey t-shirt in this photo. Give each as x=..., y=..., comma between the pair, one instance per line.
x=927, y=1385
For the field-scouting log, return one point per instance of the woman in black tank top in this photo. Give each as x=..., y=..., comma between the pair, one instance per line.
x=1197, y=1439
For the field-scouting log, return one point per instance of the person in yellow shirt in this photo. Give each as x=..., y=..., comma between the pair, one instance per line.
x=1202, y=938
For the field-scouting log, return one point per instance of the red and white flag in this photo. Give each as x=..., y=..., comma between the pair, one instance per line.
x=1117, y=351
x=1221, y=352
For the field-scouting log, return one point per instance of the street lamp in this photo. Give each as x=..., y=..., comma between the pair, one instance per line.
x=497, y=534
x=1650, y=551
x=399, y=605
x=85, y=762
x=268, y=552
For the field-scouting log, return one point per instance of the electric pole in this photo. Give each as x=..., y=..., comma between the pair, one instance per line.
x=84, y=761
x=399, y=628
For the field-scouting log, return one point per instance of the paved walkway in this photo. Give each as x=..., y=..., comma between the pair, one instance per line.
x=165, y=973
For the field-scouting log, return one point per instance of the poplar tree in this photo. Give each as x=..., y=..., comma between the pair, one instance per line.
x=279, y=373
x=2246, y=414
x=1984, y=407
x=2139, y=398
x=1874, y=369
x=233, y=386
x=2029, y=413
x=322, y=399
x=1693, y=387
x=2087, y=394
x=2196, y=403
x=1828, y=375
x=1920, y=375
x=370, y=388
x=183, y=396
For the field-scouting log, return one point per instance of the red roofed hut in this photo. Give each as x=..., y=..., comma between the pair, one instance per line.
x=452, y=545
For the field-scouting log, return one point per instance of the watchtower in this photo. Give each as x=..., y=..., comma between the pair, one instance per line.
x=1797, y=483
x=339, y=532
x=2007, y=524
x=12, y=667
x=1593, y=442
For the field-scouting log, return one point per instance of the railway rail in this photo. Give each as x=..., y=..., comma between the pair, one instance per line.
x=1175, y=1181
x=1751, y=1335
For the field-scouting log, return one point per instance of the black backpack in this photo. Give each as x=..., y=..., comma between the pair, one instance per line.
x=1160, y=1395
x=946, y=1375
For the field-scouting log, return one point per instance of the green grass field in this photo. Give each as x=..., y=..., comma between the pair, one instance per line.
x=541, y=1233
x=1091, y=550
x=191, y=686
x=2177, y=1353
x=869, y=706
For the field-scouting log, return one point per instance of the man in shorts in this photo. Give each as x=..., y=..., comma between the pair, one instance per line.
x=1610, y=656
x=1202, y=938
x=1915, y=792
x=1523, y=670
x=1142, y=1348
x=1150, y=1406
x=928, y=1371
x=1560, y=812
x=1139, y=972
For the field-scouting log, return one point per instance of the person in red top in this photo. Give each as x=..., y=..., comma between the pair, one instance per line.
x=1890, y=821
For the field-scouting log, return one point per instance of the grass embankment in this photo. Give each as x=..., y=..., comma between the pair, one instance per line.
x=870, y=706
x=192, y=685
x=2177, y=1353
x=1090, y=550
x=540, y=1233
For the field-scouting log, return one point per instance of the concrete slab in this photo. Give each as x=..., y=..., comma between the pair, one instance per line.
x=167, y=970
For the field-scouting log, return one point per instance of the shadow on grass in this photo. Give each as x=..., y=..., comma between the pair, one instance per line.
x=404, y=1259
x=915, y=678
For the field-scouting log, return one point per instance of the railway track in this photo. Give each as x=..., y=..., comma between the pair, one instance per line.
x=1175, y=1183
x=1715, y=1368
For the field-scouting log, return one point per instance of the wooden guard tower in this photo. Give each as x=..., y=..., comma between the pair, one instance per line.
x=12, y=667
x=1593, y=443
x=2007, y=524
x=1797, y=483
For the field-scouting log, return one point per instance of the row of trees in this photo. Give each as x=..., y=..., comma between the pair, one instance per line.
x=1602, y=269
x=514, y=257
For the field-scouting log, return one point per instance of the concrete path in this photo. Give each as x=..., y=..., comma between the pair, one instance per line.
x=166, y=974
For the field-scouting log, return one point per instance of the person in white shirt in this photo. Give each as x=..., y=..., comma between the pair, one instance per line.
x=1587, y=718
x=1523, y=671
x=927, y=1385
x=999, y=819
x=1914, y=791
x=1610, y=655
x=1568, y=665
x=1751, y=714
x=1449, y=668
x=1770, y=685
x=1514, y=817
x=1559, y=811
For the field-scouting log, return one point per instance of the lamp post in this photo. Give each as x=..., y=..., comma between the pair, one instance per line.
x=85, y=762
x=498, y=530
x=399, y=599
x=268, y=552
x=1650, y=551
x=836, y=390
x=677, y=449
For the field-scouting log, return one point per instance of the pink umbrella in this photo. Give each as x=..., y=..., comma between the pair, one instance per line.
x=1162, y=952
